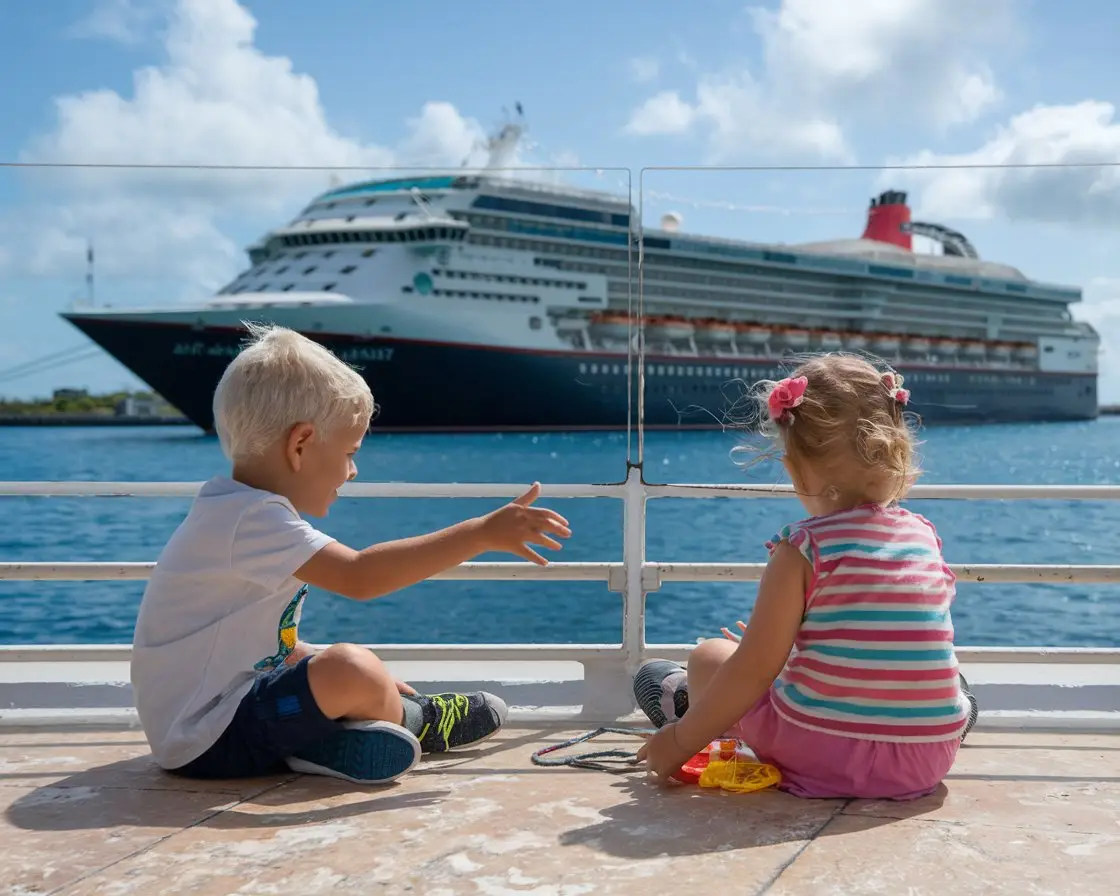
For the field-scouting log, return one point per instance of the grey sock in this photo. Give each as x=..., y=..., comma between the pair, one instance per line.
x=413, y=716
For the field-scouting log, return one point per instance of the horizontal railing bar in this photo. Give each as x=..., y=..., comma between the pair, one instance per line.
x=973, y=572
x=426, y=653
x=592, y=572
x=529, y=653
x=918, y=492
x=565, y=490
x=86, y=489
x=1106, y=656
x=98, y=571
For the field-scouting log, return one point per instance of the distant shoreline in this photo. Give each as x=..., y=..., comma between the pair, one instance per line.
x=89, y=420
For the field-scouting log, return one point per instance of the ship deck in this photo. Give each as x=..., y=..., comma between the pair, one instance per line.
x=1032, y=804
x=87, y=811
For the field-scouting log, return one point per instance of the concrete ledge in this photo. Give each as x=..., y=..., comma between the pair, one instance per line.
x=587, y=687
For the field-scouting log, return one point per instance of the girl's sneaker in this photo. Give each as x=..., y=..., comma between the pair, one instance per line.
x=661, y=690
x=974, y=707
x=363, y=752
x=451, y=721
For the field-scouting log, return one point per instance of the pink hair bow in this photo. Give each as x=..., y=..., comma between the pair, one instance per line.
x=893, y=382
x=785, y=396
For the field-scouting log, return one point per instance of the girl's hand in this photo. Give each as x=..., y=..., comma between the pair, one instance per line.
x=662, y=755
x=733, y=637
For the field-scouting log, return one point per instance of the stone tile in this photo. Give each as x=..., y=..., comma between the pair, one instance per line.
x=102, y=765
x=1037, y=781
x=88, y=812
x=55, y=835
x=494, y=824
x=855, y=856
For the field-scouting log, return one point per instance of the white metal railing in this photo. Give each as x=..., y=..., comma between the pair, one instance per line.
x=608, y=667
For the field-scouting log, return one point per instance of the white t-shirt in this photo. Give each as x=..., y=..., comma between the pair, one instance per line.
x=221, y=607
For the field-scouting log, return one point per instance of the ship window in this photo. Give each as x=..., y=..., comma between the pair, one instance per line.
x=370, y=202
x=534, y=323
x=409, y=289
x=349, y=269
x=329, y=287
x=300, y=255
x=328, y=254
x=262, y=288
x=281, y=269
x=309, y=270
x=350, y=218
x=368, y=253
x=288, y=287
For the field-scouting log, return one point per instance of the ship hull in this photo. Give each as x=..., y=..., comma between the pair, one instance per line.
x=440, y=387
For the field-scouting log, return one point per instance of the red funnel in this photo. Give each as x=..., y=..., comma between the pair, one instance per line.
x=885, y=218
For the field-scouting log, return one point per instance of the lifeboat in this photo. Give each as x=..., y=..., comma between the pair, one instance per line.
x=830, y=342
x=610, y=326
x=795, y=338
x=716, y=331
x=856, y=342
x=975, y=349
x=754, y=334
x=670, y=328
x=947, y=348
x=1026, y=351
x=917, y=345
x=885, y=342
x=1001, y=351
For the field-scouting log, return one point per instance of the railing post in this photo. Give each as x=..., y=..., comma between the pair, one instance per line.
x=633, y=563
x=608, y=693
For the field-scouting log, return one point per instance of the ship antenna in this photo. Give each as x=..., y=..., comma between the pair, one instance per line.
x=89, y=272
x=502, y=145
x=422, y=201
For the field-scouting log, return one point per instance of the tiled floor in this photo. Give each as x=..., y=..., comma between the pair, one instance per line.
x=89, y=813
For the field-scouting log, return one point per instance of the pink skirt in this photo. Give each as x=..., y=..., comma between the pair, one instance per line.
x=820, y=765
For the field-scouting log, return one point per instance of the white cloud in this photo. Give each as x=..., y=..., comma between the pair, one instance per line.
x=1101, y=308
x=662, y=114
x=215, y=99
x=1082, y=135
x=124, y=21
x=826, y=62
x=644, y=69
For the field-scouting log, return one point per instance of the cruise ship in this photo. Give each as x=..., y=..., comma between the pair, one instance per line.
x=474, y=300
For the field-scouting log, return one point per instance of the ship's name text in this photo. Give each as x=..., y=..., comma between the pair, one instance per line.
x=356, y=355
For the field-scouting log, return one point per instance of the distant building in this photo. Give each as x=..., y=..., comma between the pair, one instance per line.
x=140, y=406
x=69, y=394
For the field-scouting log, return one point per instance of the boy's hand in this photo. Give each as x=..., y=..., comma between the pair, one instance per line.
x=513, y=527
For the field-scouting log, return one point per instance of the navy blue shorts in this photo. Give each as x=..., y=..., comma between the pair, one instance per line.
x=276, y=719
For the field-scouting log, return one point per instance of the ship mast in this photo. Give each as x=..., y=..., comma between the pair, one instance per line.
x=500, y=147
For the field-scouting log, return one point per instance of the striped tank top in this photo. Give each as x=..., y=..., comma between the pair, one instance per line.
x=874, y=656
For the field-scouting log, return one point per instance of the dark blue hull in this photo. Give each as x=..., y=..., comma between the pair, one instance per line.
x=443, y=387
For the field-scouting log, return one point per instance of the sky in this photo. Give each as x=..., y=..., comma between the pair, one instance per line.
x=615, y=94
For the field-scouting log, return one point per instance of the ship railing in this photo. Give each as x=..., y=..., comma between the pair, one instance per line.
x=1036, y=686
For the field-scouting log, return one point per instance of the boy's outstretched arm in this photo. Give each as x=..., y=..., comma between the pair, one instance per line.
x=383, y=568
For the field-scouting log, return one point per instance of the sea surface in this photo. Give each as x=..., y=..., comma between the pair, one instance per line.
x=134, y=529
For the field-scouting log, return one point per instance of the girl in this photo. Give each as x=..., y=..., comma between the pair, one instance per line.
x=845, y=678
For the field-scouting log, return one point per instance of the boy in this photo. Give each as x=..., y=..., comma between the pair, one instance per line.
x=223, y=687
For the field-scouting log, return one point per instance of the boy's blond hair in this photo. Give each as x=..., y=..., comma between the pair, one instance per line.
x=279, y=379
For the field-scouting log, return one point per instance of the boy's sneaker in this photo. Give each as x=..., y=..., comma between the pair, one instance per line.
x=363, y=752
x=451, y=721
x=974, y=710
x=661, y=690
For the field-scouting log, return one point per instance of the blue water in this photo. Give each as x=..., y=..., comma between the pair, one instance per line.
x=134, y=529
